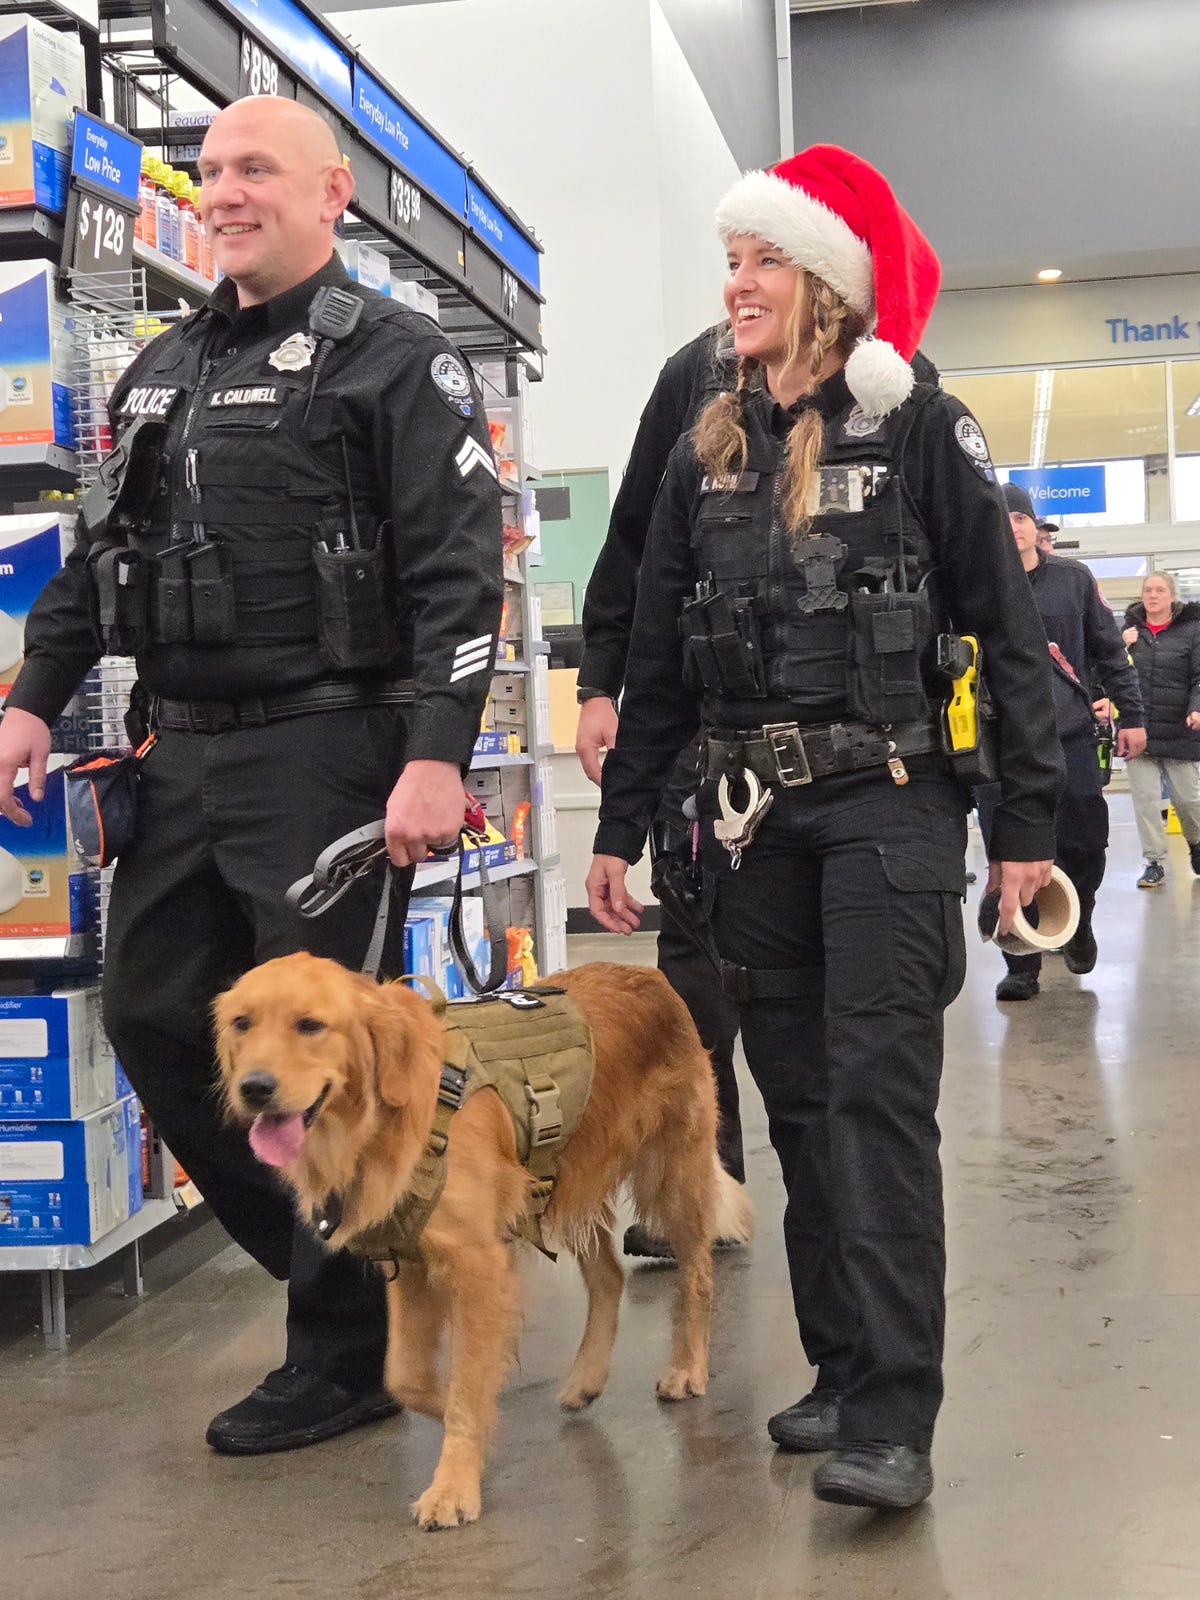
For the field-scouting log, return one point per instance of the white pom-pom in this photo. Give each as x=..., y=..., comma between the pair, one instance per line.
x=878, y=376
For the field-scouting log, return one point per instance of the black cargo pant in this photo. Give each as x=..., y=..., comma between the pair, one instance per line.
x=693, y=976
x=854, y=885
x=1080, y=832
x=226, y=822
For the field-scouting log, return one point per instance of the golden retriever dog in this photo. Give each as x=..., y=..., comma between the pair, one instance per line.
x=338, y=1078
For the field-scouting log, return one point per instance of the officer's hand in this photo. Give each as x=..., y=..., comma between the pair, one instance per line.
x=597, y=731
x=1018, y=882
x=424, y=811
x=1103, y=709
x=24, y=742
x=1131, y=742
x=1193, y=720
x=1130, y=635
x=608, y=900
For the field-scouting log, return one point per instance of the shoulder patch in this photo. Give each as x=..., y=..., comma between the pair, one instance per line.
x=974, y=446
x=452, y=382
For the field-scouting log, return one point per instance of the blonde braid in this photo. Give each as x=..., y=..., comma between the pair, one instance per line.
x=719, y=436
x=830, y=318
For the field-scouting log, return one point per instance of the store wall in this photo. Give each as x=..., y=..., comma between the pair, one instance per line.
x=1020, y=133
x=589, y=122
x=730, y=47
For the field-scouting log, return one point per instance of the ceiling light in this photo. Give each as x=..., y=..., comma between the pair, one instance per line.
x=1049, y=274
x=1043, y=390
x=798, y=7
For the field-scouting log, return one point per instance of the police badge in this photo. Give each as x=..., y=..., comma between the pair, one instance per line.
x=294, y=354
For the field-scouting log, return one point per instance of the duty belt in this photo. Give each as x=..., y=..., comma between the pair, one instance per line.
x=792, y=754
x=221, y=716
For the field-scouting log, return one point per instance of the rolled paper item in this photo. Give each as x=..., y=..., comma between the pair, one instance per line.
x=1048, y=923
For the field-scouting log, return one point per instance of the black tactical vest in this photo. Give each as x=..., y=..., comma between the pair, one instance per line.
x=251, y=482
x=811, y=614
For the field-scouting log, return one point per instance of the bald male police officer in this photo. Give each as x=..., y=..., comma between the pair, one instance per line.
x=299, y=536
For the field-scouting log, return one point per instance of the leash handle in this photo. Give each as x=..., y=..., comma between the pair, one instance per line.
x=496, y=931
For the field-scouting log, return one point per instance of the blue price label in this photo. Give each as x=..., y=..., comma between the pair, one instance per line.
x=105, y=158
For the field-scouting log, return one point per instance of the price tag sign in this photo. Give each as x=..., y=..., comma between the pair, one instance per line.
x=103, y=237
x=259, y=72
x=405, y=202
x=105, y=166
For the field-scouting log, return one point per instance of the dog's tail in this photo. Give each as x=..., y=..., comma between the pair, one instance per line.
x=735, y=1210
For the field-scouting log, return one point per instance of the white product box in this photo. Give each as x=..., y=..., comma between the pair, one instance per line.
x=36, y=347
x=32, y=549
x=55, y=1058
x=417, y=297
x=41, y=83
x=70, y=1182
x=45, y=892
x=367, y=266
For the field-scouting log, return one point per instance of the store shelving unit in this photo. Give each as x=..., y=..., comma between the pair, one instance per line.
x=439, y=225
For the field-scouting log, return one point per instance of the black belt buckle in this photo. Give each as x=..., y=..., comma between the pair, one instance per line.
x=787, y=747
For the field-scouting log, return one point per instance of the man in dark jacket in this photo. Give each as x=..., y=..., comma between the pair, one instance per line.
x=1163, y=636
x=1085, y=648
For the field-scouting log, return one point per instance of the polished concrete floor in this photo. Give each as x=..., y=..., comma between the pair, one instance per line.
x=1067, y=1458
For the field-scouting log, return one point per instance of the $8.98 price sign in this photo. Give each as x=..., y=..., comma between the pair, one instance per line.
x=260, y=72
x=103, y=237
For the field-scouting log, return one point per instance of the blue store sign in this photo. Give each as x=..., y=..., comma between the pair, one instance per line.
x=492, y=224
x=105, y=158
x=411, y=146
x=1067, y=491
x=300, y=41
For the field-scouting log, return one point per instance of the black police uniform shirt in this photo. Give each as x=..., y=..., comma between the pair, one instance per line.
x=949, y=486
x=1078, y=621
x=235, y=390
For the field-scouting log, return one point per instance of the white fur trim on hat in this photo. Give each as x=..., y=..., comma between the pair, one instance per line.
x=878, y=376
x=809, y=233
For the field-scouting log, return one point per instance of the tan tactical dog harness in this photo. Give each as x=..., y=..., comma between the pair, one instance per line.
x=534, y=1048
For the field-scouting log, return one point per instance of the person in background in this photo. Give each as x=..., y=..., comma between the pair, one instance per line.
x=686, y=383
x=1045, y=536
x=793, y=534
x=260, y=440
x=1085, y=647
x=1163, y=635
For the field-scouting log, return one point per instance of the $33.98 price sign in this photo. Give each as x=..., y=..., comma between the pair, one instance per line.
x=103, y=240
x=260, y=72
x=405, y=201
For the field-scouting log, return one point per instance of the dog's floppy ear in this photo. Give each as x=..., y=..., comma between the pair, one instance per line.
x=406, y=1039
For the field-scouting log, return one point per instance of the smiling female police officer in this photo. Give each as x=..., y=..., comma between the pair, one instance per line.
x=301, y=542
x=828, y=519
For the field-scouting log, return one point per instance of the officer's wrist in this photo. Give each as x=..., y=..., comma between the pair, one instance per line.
x=583, y=694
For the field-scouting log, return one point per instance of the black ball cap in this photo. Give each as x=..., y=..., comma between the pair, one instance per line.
x=1017, y=499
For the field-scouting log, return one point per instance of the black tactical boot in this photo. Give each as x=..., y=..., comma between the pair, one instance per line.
x=1018, y=986
x=811, y=1424
x=892, y=1476
x=292, y=1408
x=1079, y=952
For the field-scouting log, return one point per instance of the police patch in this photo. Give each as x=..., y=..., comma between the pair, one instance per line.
x=974, y=446
x=147, y=400
x=452, y=382
x=861, y=424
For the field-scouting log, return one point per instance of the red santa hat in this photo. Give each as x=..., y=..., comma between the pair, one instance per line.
x=833, y=214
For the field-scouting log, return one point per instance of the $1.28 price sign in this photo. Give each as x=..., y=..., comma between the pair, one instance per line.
x=103, y=238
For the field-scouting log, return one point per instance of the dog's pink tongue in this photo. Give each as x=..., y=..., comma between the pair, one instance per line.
x=277, y=1140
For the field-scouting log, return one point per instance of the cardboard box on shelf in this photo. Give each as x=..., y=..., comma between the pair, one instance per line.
x=55, y=1058
x=36, y=353
x=509, y=687
x=70, y=1182
x=44, y=890
x=41, y=82
x=504, y=714
x=32, y=550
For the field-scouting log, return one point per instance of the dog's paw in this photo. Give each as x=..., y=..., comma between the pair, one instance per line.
x=680, y=1383
x=441, y=1507
x=577, y=1396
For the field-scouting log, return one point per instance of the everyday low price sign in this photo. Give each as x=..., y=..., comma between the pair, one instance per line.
x=105, y=167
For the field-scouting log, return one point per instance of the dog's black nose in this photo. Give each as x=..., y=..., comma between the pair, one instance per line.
x=257, y=1089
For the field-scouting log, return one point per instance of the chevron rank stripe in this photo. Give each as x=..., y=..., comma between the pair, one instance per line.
x=473, y=455
x=472, y=657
